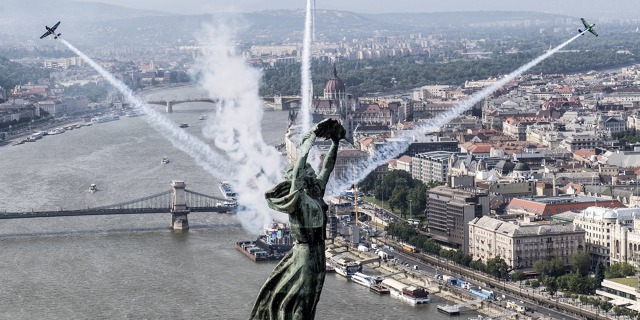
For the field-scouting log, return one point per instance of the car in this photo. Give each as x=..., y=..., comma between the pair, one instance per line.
x=415, y=267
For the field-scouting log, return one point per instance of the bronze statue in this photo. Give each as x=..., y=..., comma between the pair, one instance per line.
x=293, y=289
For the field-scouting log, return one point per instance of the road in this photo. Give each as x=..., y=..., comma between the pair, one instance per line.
x=535, y=301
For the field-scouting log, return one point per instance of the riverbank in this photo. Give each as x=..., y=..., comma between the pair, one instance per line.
x=415, y=277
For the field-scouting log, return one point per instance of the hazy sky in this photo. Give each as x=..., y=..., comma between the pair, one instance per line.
x=593, y=9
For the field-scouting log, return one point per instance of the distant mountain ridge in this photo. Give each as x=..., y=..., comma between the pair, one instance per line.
x=96, y=23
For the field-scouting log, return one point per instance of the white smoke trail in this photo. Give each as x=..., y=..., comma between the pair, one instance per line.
x=399, y=145
x=307, y=86
x=313, y=22
x=235, y=128
x=213, y=162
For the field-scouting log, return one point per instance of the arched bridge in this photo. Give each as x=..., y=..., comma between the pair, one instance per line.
x=178, y=201
x=169, y=103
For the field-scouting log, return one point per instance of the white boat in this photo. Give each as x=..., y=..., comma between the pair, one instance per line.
x=105, y=118
x=410, y=294
x=203, y=117
x=56, y=131
x=365, y=280
x=93, y=188
x=346, y=268
x=227, y=191
x=164, y=160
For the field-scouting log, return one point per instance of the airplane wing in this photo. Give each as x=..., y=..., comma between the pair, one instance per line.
x=593, y=31
x=45, y=35
x=586, y=25
x=57, y=24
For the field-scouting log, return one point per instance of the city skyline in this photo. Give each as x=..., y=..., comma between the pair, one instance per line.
x=614, y=8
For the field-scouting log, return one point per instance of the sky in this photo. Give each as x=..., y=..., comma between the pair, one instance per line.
x=587, y=8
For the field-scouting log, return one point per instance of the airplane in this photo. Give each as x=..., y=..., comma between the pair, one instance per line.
x=588, y=27
x=51, y=31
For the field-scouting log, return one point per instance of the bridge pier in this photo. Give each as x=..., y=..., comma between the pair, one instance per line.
x=169, y=108
x=179, y=210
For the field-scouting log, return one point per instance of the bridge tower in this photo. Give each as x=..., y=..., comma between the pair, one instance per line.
x=169, y=108
x=179, y=210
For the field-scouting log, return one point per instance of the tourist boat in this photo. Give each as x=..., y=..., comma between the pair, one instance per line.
x=365, y=280
x=227, y=191
x=346, y=268
x=105, y=118
x=164, y=160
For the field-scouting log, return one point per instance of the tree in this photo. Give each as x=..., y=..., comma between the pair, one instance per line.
x=619, y=270
x=580, y=263
x=399, y=199
x=600, y=268
x=535, y=283
x=551, y=285
x=553, y=267
x=497, y=267
x=517, y=275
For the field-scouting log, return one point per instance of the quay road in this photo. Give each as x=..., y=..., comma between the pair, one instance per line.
x=531, y=300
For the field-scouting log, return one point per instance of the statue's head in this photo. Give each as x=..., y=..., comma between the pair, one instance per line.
x=311, y=181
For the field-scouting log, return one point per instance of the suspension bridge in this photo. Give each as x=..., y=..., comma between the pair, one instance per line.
x=178, y=202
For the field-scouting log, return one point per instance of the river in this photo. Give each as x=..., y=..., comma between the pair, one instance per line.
x=135, y=267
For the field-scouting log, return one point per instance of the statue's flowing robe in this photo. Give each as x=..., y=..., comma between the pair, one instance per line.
x=293, y=289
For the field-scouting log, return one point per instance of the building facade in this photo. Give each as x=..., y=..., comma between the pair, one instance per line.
x=449, y=212
x=520, y=244
x=598, y=223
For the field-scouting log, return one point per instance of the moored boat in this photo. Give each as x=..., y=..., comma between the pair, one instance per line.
x=364, y=279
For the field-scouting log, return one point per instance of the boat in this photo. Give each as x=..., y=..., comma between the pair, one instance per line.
x=415, y=295
x=273, y=245
x=203, y=117
x=329, y=268
x=410, y=294
x=164, y=160
x=365, y=280
x=379, y=289
x=345, y=268
x=228, y=192
x=184, y=125
x=93, y=188
x=106, y=118
x=135, y=113
x=19, y=142
x=56, y=131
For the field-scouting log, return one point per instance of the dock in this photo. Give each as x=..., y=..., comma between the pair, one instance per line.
x=455, y=309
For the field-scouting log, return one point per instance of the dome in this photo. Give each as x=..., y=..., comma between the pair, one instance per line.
x=335, y=84
x=521, y=166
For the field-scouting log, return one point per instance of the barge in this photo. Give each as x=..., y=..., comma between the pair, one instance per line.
x=273, y=245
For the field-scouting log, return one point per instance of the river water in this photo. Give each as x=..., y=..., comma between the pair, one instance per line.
x=135, y=267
